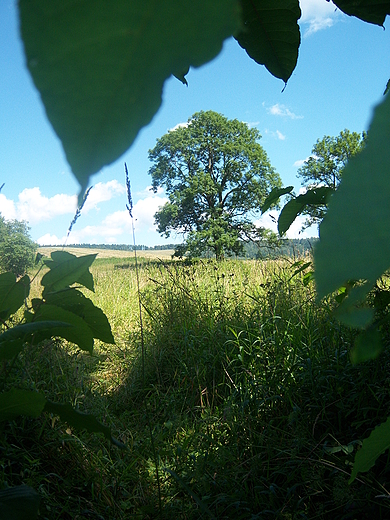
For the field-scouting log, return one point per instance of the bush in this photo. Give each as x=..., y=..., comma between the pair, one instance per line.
x=17, y=250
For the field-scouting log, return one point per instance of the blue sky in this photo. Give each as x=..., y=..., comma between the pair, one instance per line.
x=342, y=70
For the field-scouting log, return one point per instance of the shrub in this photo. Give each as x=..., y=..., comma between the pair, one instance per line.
x=17, y=250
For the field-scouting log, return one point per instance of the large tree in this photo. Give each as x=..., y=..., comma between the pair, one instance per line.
x=216, y=176
x=325, y=166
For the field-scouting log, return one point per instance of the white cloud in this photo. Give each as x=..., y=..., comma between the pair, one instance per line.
x=179, y=125
x=102, y=192
x=317, y=15
x=7, y=208
x=275, y=135
x=301, y=162
x=252, y=124
x=34, y=207
x=145, y=209
x=115, y=227
x=50, y=240
x=282, y=111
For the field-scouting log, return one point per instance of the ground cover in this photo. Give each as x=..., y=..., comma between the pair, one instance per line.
x=244, y=404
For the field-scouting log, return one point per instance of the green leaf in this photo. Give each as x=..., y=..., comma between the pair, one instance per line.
x=25, y=330
x=372, y=448
x=300, y=266
x=355, y=234
x=372, y=11
x=271, y=34
x=368, y=345
x=9, y=349
x=19, y=503
x=74, y=301
x=17, y=402
x=67, y=269
x=293, y=208
x=79, y=333
x=80, y=420
x=12, y=294
x=274, y=197
x=357, y=317
x=100, y=66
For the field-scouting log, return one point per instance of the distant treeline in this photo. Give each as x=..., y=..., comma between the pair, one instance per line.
x=284, y=247
x=119, y=247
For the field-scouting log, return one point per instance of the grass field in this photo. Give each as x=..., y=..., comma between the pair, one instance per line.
x=243, y=406
x=163, y=254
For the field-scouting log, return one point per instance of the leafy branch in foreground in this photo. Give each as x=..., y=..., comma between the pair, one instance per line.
x=62, y=311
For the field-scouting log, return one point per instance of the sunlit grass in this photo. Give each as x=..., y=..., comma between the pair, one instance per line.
x=248, y=403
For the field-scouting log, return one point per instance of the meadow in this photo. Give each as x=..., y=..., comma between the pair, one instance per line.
x=236, y=399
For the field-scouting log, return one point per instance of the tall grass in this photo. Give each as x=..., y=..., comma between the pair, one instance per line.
x=256, y=411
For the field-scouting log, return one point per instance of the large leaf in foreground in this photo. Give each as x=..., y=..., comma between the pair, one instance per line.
x=19, y=503
x=373, y=446
x=74, y=301
x=13, y=340
x=373, y=11
x=271, y=34
x=78, y=333
x=12, y=293
x=355, y=234
x=67, y=269
x=100, y=66
x=274, y=196
x=17, y=402
x=294, y=207
x=81, y=421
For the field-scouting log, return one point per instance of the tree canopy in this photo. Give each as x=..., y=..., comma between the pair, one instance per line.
x=325, y=166
x=17, y=250
x=216, y=176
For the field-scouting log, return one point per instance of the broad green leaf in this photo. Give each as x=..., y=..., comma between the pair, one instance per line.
x=12, y=293
x=79, y=333
x=17, y=402
x=355, y=234
x=373, y=11
x=74, y=301
x=274, y=197
x=19, y=503
x=25, y=330
x=357, y=317
x=9, y=349
x=100, y=66
x=80, y=420
x=368, y=345
x=372, y=448
x=67, y=269
x=294, y=207
x=271, y=34
x=288, y=214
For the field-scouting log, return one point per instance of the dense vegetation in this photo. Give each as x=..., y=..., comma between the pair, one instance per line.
x=244, y=406
x=17, y=249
